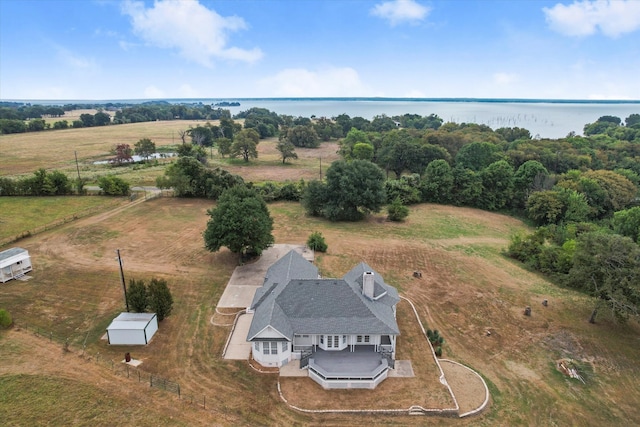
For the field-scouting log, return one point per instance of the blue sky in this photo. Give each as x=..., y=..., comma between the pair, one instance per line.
x=101, y=50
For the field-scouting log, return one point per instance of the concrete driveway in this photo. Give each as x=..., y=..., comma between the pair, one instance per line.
x=247, y=278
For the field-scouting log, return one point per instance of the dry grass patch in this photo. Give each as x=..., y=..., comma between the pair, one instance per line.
x=26, y=152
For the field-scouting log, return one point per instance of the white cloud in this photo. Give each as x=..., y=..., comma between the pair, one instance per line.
x=198, y=33
x=586, y=17
x=186, y=91
x=504, y=79
x=153, y=92
x=401, y=11
x=331, y=81
x=74, y=60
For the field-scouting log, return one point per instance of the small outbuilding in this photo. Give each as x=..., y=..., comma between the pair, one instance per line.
x=132, y=329
x=14, y=263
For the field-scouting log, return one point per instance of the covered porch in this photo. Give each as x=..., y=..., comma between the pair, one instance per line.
x=361, y=368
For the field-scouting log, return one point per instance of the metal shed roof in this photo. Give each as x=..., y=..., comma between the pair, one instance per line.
x=131, y=321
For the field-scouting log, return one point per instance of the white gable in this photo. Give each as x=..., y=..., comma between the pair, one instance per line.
x=269, y=332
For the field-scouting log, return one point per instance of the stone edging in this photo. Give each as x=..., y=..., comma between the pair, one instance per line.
x=443, y=379
x=486, y=390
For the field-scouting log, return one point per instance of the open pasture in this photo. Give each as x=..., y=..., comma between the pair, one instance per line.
x=22, y=154
x=467, y=289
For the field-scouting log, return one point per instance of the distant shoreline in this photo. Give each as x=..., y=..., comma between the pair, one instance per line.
x=332, y=99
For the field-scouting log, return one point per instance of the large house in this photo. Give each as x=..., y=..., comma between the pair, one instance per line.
x=343, y=330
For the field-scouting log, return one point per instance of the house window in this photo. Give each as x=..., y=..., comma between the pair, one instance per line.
x=344, y=339
x=269, y=347
x=285, y=346
x=336, y=341
x=256, y=346
x=359, y=338
x=321, y=339
x=366, y=338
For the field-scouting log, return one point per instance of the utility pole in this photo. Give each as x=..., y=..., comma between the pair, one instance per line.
x=77, y=167
x=124, y=286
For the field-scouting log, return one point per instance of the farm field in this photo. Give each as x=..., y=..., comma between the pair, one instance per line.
x=56, y=150
x=467, y=289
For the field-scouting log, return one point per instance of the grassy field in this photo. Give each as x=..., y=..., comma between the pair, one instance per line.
x=26, y=214
x=467, y=289
x=56, y=149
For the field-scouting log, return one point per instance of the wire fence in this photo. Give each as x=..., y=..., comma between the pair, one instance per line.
x=148, y=195
x=118, y=368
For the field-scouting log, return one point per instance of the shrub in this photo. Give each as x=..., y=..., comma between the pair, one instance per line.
x=160, y=299
x=5, y=319
x=397, y=211
x=316, y=242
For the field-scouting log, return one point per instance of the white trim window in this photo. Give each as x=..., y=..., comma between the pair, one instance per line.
x=284, y=347
x=269, y=347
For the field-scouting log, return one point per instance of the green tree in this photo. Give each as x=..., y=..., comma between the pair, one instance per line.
x=37, y=125
x=86, y=119
x=608, y=267
x=396, y=211
x=137, y=296
x=529, y=177
x=316, y=242
x=145, y=148
x=497, y=185
x=287, y=149
x=61, y=124
x=545, y=207
x=315, y=197
x=437, y=183
x=354, y=189
x=363, y=151
x=160, y=299
x=245, y=144
x=202, y=136
x=302, y=136
x=224, y=146
x=353, y=137
x=101, y=119
x=627, y=223
x=113, y=186
x=241, y=222
x=467, y=187
x=478, y=155
x=632, y=120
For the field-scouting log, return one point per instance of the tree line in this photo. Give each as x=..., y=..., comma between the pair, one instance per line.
x=19, y=118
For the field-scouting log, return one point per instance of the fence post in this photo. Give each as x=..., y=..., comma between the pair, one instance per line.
x=204, y=403
x=150, y=380
x=127, y=370
x=178, y=391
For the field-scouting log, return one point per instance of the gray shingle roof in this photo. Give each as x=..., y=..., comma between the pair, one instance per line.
x=294, y=301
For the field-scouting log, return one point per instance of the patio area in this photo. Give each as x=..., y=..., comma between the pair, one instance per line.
x=362, y=368
x=363, y=362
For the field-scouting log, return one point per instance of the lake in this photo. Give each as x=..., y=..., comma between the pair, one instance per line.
x=543, y=118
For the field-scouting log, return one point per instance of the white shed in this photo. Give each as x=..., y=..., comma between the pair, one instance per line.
x=14, y=263
x=132, y=329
